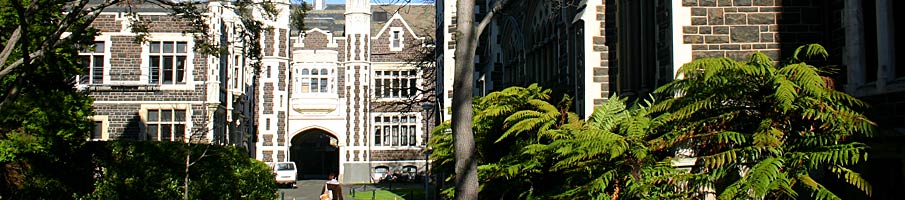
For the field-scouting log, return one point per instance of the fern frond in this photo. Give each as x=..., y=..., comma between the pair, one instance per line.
x=853, y=178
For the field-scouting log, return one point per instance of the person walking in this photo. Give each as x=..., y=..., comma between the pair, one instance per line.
x=332, y=189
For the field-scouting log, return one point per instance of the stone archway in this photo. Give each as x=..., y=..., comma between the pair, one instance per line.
x=316, y=153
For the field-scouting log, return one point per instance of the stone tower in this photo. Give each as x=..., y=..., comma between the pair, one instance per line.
x=357, y=70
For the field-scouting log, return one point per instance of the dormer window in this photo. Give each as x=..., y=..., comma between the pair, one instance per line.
x=396, y=39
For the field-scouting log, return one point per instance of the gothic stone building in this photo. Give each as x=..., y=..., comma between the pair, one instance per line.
x=344, y=103
x=162, y=90
x=331, y=102
x=596, y=48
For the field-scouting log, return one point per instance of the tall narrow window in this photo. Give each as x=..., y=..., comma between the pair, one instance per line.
x=92, y=60
x=166, y=124
x=397, y=41
x=396, y=37
x=168, y=60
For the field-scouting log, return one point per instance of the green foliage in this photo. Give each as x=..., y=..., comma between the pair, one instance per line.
x=765, y=127
x=155, y=170
x=297, y=16
x=739, y=130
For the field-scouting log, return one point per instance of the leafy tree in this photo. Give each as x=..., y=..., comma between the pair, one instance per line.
x=763, y=130
x=297, y=16
x=44, y=118
x=155, y=170
x=505, y=122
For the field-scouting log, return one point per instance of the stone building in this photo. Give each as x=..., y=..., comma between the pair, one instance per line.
x=343, y=101
x=162, y=89
x=349, y=101
x=596, y=48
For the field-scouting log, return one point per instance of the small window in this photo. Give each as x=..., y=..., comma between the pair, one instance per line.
x=397, y=41
x=98, y=132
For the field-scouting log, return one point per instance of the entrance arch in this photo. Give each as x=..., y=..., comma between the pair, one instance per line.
x=316, y=153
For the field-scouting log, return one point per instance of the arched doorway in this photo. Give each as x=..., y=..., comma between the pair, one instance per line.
x=316, y=153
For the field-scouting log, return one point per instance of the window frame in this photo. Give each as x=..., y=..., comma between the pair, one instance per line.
x=396, y=84
x=396, y=39
x=105, y=124
x=307, y=82
x=396, y=130
x=92, y=58
x=187, y=122
x=157, y=75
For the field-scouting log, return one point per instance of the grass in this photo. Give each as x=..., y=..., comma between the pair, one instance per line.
x=398, y=191
x=378, y=194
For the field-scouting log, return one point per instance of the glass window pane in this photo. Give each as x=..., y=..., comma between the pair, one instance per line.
x=405, y=91
x=166, y=132
x=97, y=71
x=377, y=137
x=155, y=69
x=378, y=92
x=180, y=116
x=152, y=132
x=180, y=69
x=404, y=136
x=395, y=90
x=323, y=71
x=167, y=69
x=412, y=136
x=155, y=47
x=98, y=130
x=99, y=47
x=377, y=119
x=395, y=136
x=180, y=47
x=413, y=87
x=314, y=85
x=304, y=71
x=152, y=116
x=168, y=47
x=166, y=115
x=314, y=72
x=323, y=85
x=386, y=135
x=379, y=73
x=179, y=133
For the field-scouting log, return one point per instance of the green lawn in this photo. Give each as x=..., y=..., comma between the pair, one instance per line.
x=399, y=191
x=379, y=195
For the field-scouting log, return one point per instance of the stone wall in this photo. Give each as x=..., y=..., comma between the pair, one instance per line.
x=284, y=42
x=125, y=59
x=268, y=98
x=107, y=23
x=394, y=155
x=601, y=70
x=269, y=42
x=737, y=28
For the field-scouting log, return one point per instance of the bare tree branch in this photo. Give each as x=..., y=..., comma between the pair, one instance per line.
x=10, y=44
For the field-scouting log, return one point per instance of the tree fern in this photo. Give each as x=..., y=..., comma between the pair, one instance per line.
x=755, y=117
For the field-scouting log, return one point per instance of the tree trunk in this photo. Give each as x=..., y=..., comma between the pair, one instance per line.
x=463, y=136
x=188, y=159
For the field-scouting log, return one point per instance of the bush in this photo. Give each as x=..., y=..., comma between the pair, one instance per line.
x=156, y=170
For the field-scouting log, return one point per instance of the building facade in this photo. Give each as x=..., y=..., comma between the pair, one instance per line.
x=347, y=103
x=161, y=89
x=596, y=48
x=349, y=100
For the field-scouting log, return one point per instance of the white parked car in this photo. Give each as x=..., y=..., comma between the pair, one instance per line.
x=285, y=173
